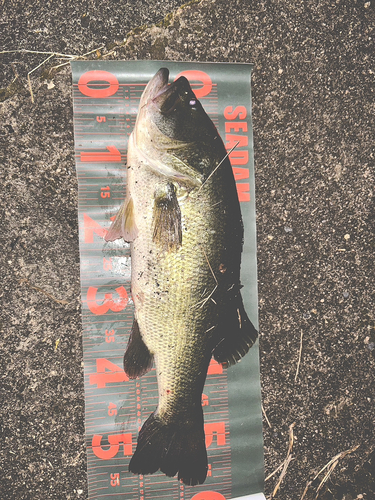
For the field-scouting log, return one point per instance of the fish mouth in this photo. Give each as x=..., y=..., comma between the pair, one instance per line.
x=156, y=86
x=165, y=97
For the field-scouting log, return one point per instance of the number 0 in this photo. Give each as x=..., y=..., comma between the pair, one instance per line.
x=97, y=78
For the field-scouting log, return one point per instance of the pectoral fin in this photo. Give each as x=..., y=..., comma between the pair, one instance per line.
x=237, y=333
x=124, y=224
x=166, y=221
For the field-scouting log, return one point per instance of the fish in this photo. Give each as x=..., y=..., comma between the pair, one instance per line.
x=182, y=217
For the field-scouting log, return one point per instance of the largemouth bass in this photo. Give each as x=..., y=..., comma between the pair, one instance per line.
x=182, y=217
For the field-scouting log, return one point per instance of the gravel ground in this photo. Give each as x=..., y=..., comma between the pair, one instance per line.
x=313, y=110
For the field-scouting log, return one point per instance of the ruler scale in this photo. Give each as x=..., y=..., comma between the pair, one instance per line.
x=106, y=97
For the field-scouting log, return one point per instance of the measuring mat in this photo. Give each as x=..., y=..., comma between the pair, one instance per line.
x=106, y=97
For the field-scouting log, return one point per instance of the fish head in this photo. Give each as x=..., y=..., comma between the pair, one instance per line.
x=173, y=131
x=177, y=112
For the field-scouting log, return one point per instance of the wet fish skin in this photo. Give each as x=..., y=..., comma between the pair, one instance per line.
x=186, y=235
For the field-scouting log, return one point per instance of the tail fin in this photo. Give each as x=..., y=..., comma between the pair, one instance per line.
x=173, y=448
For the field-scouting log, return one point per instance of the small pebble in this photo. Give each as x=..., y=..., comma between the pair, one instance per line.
x=347, y=237
x=288, y=229
x=345, y=295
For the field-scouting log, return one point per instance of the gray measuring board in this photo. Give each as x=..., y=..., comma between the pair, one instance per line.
x=106, y=97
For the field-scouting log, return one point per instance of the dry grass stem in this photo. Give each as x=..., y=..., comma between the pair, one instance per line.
x=26, y=51
x=76, y=58
x=282, y=475
x=329, y=467
x=299, y=358
x=214, y=170
x=275, y=471
x=266, y=418
x=308, y=484
x=204, y=301
x=29, y=73
x=37, y=288
x=58, y=55
x=286, y=462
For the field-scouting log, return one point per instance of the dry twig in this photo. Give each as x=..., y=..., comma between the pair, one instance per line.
x=330, y=466
x=265, y=416
x=59, y=301
x=286, y=462
x=217, y=166
x=299, y=357
x=58, y=55
x=275, y=471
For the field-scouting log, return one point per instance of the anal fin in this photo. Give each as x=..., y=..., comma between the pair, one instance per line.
x=137, y=357
x=237, y=333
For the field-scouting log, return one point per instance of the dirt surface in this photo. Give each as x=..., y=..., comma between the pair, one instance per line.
x=313, y=110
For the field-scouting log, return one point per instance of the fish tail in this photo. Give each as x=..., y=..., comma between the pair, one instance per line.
x=174, y=448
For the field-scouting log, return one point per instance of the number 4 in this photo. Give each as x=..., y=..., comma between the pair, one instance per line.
x=106, y=373
x=112, y=409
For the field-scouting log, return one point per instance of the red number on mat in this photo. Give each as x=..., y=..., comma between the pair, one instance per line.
x=208, y=495
x=110, y=156
x=115, y=479
x=114, y=441
x=211, y=429
x=90, y=227
x=112, y=409
x=109, y=336
x=214, y=368
x=107, y=264
x=209, y=472
x=106, y=373
x=105, y=192
x=109, y=303
x=201, y=77
x=97, y=78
